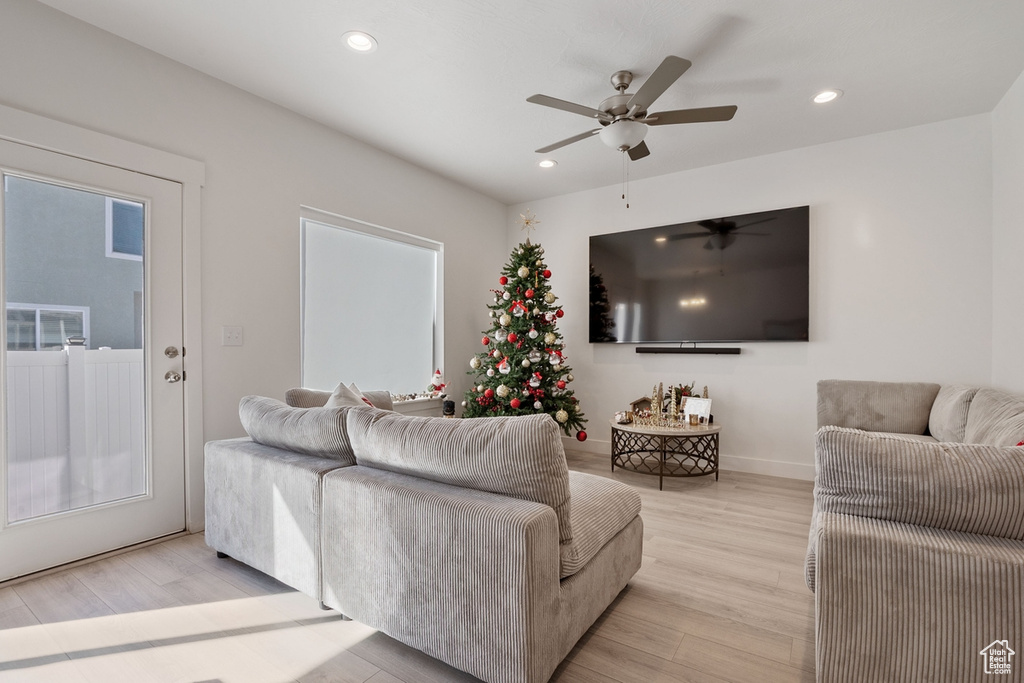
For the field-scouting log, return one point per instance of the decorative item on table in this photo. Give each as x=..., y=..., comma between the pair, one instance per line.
x=623, y=417
x=437, y=385
x=671, y=407
x=699, y=408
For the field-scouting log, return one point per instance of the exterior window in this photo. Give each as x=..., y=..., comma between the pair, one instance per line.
x=371, y=305
x=33, y=327
x=125, y=229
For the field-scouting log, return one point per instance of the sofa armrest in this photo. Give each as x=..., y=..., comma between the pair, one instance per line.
x=405, y=555
x=960, y=487
x=263, y=509
x=903, y=602
x=897, y=407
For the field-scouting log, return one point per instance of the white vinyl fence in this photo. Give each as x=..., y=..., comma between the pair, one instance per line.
x=75, y=429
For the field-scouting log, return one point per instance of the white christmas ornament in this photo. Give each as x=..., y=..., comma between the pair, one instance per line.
x=480, y=387
x=501, y=391
x=550, y=317
x=523, y=271
x=554, y=359
x=533, y=334
x=534, y=382
x=490, y=372
x=526, y=392
x=496, y=353
x=503, y=367
x=549, y=298
x=518, y=311
x=526, y=362
x=549, y=338
x=474, y=363
x=501, y=335
x=562, y=416
x=568, y=378
x=536, y=311
x=506, y=296
x=505, y=319
x=535, y=356
x=463, y=404
x=537, y=405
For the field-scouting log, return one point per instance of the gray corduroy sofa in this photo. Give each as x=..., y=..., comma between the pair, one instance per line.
x=916, y=549
x=467, y=539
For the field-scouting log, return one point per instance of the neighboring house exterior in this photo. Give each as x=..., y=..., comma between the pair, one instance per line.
x=73, y=267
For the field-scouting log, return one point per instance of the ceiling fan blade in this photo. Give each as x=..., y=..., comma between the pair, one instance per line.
x=568, y=141
x=670, y=69
x=763, y=220
x=570, y=107
x=638, y=151
x=701, y=115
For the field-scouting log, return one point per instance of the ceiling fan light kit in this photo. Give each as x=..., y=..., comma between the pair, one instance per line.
x=623, y=134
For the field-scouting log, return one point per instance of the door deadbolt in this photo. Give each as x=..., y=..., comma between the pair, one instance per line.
x=171, y=352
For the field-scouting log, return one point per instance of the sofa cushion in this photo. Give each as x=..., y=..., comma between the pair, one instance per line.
x=995, y=419
x=601, y=508
x=521, y=457
x=346, y=396
x=896, y=407
x=312, y=431
x=314, y=398
x=948, y=418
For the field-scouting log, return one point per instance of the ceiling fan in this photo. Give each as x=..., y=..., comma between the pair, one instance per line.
x=721, y=232
x=624, y=118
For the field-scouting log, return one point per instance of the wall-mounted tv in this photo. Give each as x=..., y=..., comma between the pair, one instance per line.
x=728, y=279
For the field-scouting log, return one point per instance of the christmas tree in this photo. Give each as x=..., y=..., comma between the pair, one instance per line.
x=522, y=369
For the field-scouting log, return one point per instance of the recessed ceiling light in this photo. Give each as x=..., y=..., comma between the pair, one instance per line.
x=827, y=96
x=660, y=239
x=359, y=41
x=548, y=163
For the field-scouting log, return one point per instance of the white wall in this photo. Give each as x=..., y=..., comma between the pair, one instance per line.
x=262, y=163
x=1008, y=240
x=901, y=249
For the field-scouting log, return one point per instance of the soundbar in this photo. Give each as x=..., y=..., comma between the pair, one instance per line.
x=726, y=350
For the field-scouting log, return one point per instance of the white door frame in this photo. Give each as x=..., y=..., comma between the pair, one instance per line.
x=55, y=136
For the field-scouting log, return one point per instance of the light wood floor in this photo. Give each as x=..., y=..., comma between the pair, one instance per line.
x=720, y=597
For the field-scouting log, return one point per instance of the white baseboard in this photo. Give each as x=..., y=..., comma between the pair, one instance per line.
x=736, y=463
x=771, y=468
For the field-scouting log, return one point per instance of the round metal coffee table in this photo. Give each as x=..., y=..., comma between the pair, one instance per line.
x=666, y=451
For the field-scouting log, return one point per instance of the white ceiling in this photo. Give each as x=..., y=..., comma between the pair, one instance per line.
x=447, y=87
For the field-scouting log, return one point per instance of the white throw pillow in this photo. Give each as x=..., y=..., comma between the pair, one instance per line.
x=344, y=396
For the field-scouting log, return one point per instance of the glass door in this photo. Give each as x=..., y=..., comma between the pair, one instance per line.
x=93, y=454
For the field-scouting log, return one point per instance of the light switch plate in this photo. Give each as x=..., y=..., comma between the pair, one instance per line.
x=230, y=336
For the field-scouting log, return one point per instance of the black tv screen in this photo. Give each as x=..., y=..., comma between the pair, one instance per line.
x=729, y=279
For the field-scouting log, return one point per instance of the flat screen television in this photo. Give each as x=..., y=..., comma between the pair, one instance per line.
x=729, y=279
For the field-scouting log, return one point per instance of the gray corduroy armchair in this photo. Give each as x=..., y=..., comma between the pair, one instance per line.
x=916, y=550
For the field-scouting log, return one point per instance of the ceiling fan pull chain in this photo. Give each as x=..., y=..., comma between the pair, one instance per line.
x=625, y=179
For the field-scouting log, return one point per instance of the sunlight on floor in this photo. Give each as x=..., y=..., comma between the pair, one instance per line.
x=258, y=635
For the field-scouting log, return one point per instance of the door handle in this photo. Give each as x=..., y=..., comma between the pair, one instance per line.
x=171, y=376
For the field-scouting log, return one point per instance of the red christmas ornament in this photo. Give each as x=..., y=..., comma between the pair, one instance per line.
x=489, y=393
x=559, y=313
x=581, y=435
x=560, y=384
x=547, y=273
x=529, y=294
x=514, y=403
x=485, y=341
x=503, y=280
x=512, y=337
